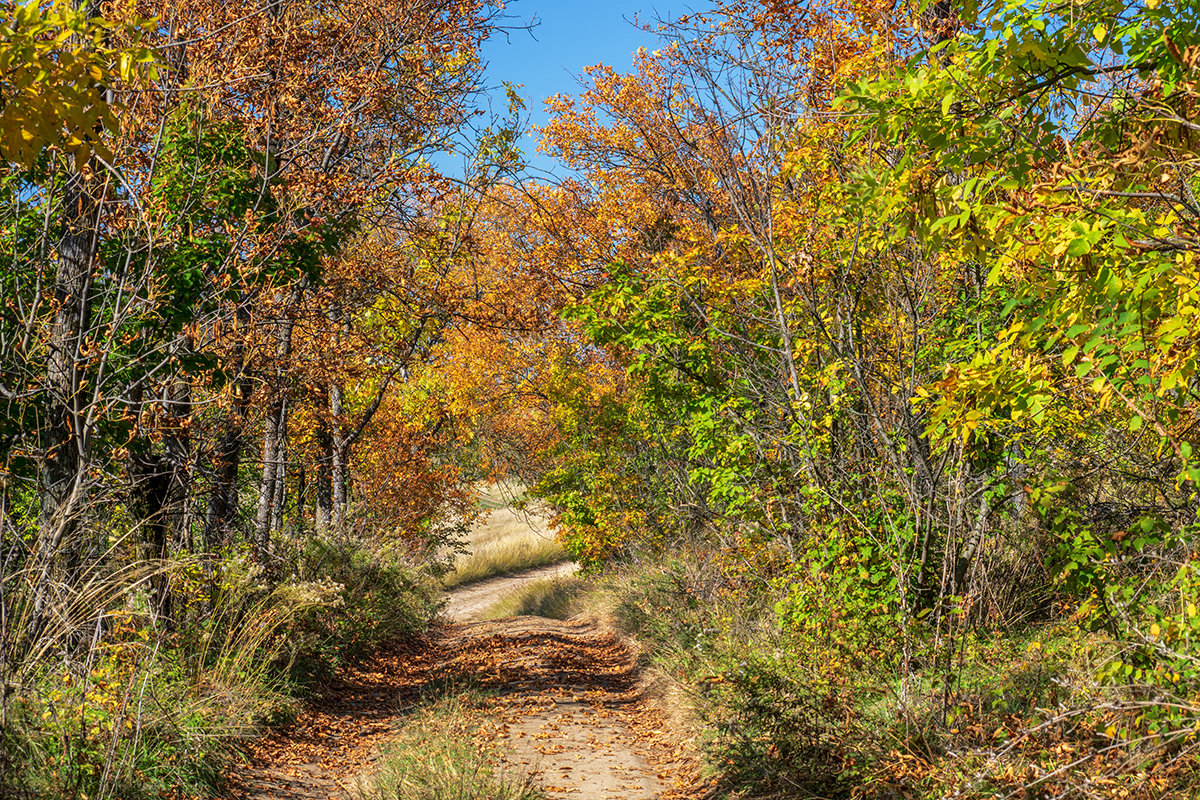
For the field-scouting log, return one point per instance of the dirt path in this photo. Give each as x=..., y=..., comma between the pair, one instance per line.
x=571, y=712
x=468, y=602
x=337, y=738
x=566, y=706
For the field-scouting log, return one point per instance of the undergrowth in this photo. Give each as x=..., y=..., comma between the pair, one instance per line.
x=380, y=599
x=139, y=705
x=837, y=708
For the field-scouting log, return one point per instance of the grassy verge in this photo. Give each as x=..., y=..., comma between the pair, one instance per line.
x=556, y=598
x=146, y=708
x=437, y=756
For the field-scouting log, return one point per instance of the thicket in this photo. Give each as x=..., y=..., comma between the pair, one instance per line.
x=874, y=326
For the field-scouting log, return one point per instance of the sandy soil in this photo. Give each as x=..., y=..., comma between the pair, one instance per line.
x=573, y=718
x=569, y=710
x=566, y=707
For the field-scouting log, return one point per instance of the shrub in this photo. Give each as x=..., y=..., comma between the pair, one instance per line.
x=782, y=711
x=139, y=706
x=379, y=600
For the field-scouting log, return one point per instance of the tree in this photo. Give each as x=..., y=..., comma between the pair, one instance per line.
x=186, y=238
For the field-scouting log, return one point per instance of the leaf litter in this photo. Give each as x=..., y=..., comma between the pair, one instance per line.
x=563, y=703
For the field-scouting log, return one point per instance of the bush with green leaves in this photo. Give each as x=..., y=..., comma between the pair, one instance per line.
x=782, y=709
x=379, y=599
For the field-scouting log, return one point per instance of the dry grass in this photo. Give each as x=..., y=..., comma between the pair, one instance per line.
x=556, y=598
x=437, y=755
x=506, y=541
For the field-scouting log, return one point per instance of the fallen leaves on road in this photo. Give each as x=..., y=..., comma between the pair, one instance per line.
x=570, y=689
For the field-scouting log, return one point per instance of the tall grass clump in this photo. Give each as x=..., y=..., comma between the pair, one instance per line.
x=555, y=598
x=436, y=756
x=125, y=703
x=508, y=540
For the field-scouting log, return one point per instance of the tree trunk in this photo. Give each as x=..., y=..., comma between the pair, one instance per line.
x=275, y=436
x=297, y=527
x=178, y=443
x=223, y=501
x=153, y=478
x=63, y=465
x=281, y=477
x=970, y=549
x=324, y=516
x=338, y=473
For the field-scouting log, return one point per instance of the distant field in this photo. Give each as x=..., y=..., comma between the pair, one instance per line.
x=506, y=541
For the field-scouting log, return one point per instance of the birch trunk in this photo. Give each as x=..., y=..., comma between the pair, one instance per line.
x=338, y=472
x=275, y=435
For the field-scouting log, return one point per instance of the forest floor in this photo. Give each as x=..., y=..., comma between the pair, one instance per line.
x=565, y=705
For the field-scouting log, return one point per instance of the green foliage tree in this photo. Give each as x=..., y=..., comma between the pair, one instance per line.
x=921, y=337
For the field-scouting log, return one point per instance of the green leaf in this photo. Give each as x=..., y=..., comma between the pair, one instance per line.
x=1079, y=247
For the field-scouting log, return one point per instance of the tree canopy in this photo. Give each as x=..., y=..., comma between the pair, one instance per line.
x=888, y=315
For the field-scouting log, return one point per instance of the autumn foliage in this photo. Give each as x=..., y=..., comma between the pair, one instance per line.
x=858, y=350
x=891, y=333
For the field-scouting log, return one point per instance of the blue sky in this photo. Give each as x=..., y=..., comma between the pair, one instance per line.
x=570, y=35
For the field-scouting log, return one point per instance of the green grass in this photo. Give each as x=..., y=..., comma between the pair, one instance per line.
x=556, y=598
x=435, y=756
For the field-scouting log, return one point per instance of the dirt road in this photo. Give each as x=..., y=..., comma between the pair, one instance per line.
x=571, y=710
x=566, y=699
x=469, y=602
